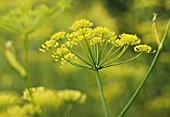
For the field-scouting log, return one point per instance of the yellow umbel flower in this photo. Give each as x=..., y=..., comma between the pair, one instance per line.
x=96, y=48
x=83, y=23
x=8, y=99
x=72, y=95
x=58, y=36
x=96, y=40
x=52, y=43
x=127, y=39
x=42, y=97
x=143, y=48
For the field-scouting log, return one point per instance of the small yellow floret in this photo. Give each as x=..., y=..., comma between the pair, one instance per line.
x=58, y=35
x=127, y=39
x=83, y=23
x=142, y=48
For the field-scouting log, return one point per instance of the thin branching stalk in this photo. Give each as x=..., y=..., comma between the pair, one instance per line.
x=94, y=53
x=107, y=55
x=116, y=58
x=128, y=60
x=102, y=51
x=80, y=57
x=90, y=52
x=105, y=59
x=78, y=65
x=101, y=93
x=87, y=54
x=97, y=49
x=148, y=73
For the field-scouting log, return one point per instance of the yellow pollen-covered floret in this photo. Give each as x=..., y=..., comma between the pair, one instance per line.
x=58, y=35
x=127, y=39
x=83, y=23
x=142, y=48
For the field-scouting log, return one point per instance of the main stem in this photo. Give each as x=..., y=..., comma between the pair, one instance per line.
x=101, y=93
x=147, y=75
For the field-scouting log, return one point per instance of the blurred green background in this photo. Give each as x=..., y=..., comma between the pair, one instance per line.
x=119, y=82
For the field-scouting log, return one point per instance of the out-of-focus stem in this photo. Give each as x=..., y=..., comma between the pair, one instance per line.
x=26, y=58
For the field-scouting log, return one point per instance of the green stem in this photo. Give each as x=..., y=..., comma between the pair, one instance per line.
x=147, y=75
x=26, y=59
x=101, y=93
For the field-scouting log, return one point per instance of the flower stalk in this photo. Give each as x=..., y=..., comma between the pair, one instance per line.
x=101, y=93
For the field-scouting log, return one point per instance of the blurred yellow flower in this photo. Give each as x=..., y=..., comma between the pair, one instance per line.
x=143, y=48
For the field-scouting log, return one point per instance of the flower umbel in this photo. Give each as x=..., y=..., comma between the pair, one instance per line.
x=43, y=97
x=94, y=48
x=127, y=39
x=142, y=48
x=83, y=23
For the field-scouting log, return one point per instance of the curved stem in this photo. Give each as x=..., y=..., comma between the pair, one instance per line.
x=101, y=93
x=147, y=75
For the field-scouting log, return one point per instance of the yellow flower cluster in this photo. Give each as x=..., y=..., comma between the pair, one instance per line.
x=83, y=23
x=127, y=39
x=28, y=110
x=58, y=36
x=72, y=95
x=52, y=43
x=90, y=40
x=142, y=48
x=63, y=54
x=37, y=101
x=8, y=99
x=43, y=97
x=101, y=35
